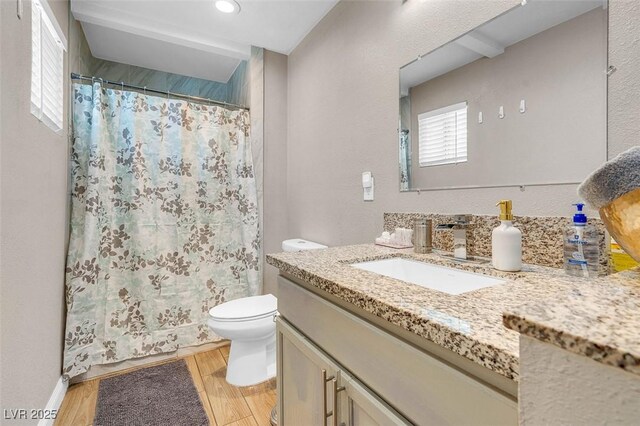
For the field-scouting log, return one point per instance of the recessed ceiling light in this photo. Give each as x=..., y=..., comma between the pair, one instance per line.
x=227, y=6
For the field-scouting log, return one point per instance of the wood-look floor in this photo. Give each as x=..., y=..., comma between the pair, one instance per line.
x=225, y=405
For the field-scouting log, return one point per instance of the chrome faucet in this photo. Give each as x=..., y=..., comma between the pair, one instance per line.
x=459, y=226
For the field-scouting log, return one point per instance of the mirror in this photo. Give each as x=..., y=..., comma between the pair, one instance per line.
x=518, y=101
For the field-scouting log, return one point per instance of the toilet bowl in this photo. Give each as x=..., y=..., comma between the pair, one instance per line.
x=249, y=323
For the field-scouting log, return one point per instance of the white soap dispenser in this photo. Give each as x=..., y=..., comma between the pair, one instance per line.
x=506, y=241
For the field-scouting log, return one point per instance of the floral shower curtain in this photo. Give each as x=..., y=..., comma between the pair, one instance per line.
x=164, y=224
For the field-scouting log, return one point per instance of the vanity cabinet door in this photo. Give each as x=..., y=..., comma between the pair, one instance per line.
x=307, y=390
x=359, y=406
x=305, y=380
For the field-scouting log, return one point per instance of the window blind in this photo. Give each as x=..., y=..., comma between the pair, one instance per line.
x=442, y=136
x=47, y=67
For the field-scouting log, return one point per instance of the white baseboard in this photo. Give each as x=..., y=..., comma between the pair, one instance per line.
x=55, y=400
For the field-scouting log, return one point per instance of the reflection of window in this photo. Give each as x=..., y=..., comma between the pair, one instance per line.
x=47, y=53
x=442, y=135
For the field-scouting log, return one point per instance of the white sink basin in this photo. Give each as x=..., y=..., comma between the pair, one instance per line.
x=447, y=280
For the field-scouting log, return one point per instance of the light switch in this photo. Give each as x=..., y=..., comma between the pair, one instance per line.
x=367, y=186
x=523, y=106
x=501, y=112
x=480, y=117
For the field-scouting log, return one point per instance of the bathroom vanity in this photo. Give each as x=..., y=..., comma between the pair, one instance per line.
x=369, y=348
x=356, y=347
x=333, y=361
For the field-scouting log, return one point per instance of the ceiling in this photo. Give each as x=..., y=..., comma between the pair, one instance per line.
x=191, y=37
x=490, y=39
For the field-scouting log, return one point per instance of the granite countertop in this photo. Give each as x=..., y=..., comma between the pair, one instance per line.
x=599, y=319
x=471, y=324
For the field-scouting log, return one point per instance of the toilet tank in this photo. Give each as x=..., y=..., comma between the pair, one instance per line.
x=298, y=244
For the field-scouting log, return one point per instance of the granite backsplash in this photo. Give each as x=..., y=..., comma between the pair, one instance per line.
x=542, y=237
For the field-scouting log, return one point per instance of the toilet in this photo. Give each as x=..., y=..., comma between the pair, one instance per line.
x=249, y=323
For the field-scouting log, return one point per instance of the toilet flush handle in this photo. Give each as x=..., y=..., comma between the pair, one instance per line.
x=275, y=316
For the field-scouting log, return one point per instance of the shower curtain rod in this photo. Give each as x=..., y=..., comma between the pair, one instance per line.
x=75, y=76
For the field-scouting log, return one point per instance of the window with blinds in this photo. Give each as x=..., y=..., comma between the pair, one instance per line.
x=442, y=136
x=47, y=66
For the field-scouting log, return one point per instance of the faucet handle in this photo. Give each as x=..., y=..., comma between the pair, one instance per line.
x=462, y=219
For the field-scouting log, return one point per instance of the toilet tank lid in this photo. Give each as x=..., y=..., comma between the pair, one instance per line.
x=246, y=308
x=298, y=244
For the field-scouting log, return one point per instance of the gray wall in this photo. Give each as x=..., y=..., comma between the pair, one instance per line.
x=624, y=84
x=33, y=175
x=343, y=115
x=275, y=156
x=559, y=72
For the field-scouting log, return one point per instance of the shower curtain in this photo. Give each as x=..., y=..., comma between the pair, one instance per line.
x=164, y=223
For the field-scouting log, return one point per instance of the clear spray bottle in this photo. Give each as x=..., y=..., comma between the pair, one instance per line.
x=581, y=248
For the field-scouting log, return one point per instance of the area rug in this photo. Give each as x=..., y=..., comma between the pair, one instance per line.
x=161, y=395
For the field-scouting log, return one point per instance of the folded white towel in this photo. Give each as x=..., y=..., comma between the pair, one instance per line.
x=614, y=179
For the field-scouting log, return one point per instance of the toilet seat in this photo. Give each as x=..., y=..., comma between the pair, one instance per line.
x=250, y=325
x=245, y=309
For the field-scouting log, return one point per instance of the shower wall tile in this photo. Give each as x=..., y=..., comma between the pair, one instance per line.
x=192, y=86
x=111, y=71
x=214, y=90
x=181, y=84
x=146, y=77
x=256, y=72
x=162, y=81
x=239, y=85
x=80, y=59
